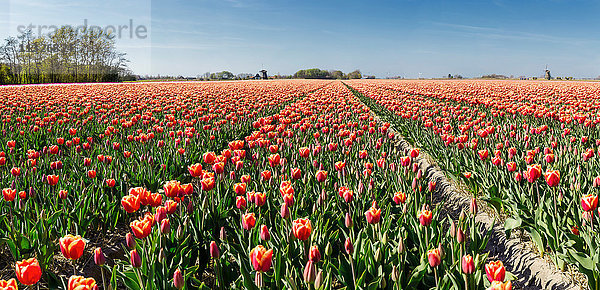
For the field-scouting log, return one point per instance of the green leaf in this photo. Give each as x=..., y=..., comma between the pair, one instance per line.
x=583, y=259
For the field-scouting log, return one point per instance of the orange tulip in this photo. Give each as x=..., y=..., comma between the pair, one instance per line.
x=497, y=285
x=248, y=221
x=72, y=246
x=373, y=215
x=399, y=197
x=261, y=258
x=302, y=229
x=195, y=170
x=495, y=271
x=81, y=283
x=28, y=271
x=141, y=228
x=425, y=217
x=9, y=194
x=52, y=179
x=130, y=203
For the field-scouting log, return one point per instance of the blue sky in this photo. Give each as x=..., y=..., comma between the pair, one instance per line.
x=382, y=38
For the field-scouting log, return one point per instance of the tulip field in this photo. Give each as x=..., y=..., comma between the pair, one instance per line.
x=292, y=184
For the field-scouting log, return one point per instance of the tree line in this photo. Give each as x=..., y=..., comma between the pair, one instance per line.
x=315, y=73
x=65, y=55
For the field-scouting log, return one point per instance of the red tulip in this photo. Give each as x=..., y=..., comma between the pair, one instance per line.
x=240, y=202
x=264, y=233
x=91, y=174
x=141, y=228
x=99, y=258
x=28, y=271
x=589, y=202
x=15, y=171
x=261, y=258
x=248, y=221
x=552, y=177
x=301, y=229
x=9, y=194
x=136, y=260
x=414, y=153
x=425, y=217
x=52, y=179
x=314, y=254
x=9, y=285
x=373, y=215
x=533, y=172
x=195, y=170
x=214, y=250
x=495, y=271
x=178, y=281
x=111, y=182
x=72, y=246
x=240, y=188
x=348, y=246
x=399, y=197
x=321, y=175
x=434, y=257
x=209, y=157
x=483, y=154
x=208, y=183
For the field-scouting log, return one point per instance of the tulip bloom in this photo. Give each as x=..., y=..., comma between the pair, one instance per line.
x=497, y=285
x=28, y=271
x=495, y=271
x=72, y=246
x=9, y=285
x=301, y=229
x=414, y=153
x=321, y=175
x=195, y=170
x=589, y=202
x=99, y=258
x=264, y=233
x=81, y=283
x=214, y=250
x=261, y=258
x=314, y=254
x=434, y=257
x=136, y=260
x=468, y=265
x=348, y=246
x=52, y=179
x=399, y=197
x=552, y=177
x=208, y=183
x=533, y=172
x=483, y=154
x=511, y=166
x=9, y=194
x=130, y=203
x=425, y=217
x=178, y=281
x=141, y=228
x=248, y=221
x=373, y=215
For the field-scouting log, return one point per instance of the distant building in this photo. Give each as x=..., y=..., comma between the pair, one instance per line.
x=263, y=74
x=547, y=74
